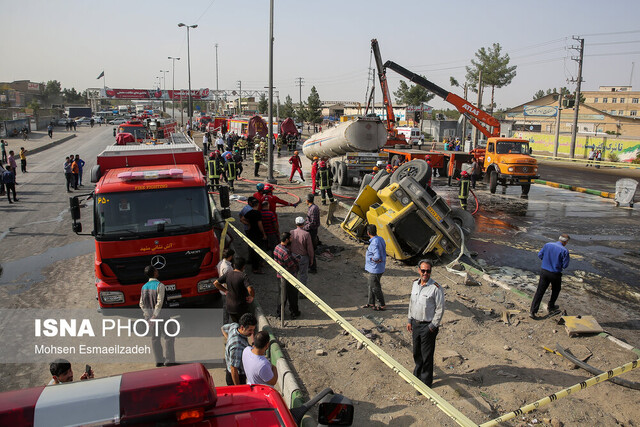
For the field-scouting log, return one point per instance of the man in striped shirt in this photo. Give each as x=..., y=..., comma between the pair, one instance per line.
x=152, y=297
x=237, y=336
x=282, y=255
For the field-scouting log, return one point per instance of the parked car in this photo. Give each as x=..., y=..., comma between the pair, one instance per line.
x=83, y=121
x=97, y=120
x=62, y=122
x=117, y=121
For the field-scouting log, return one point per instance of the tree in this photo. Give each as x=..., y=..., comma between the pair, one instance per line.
x=301, y=113
x=52, y=91
x=495, y=68
x=414, y=95
x=287, y=109
x=314, y=107
x=35, y=106
x=71, y=96
x=541, y=93
x=263, y=104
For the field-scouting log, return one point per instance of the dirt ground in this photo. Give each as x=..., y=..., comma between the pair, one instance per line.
x=483, y=367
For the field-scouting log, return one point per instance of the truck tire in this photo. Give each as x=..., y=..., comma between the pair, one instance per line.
x=382, y=182
x=493, y=181
x=417, y=169
x=444, y=170
x=465, y=220
x=365, y=181
x=341, y=173
x=334, y=169
x=525, y=188
x=95, y=173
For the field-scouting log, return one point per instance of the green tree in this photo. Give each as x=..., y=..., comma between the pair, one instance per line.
x=287, y=109
x=52, y=91
x=539, y=94
x=495, y=68
x=263, y=104
x=414, y=95
x=301, y=113
x=71, y=96
x=35, y=106
x=314, y=107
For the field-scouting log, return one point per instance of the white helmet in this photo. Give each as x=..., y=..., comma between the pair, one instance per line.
x=257, y=146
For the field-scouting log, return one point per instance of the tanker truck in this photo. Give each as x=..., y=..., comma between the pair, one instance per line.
x=354, y=146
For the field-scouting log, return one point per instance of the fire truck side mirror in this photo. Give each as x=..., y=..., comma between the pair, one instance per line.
x=335, y=410
x=114, y=131
x=224, y=197
x=74, y=207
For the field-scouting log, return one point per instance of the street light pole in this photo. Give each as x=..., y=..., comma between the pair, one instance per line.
x=164, y=87
x=270, y=178
x=217, y=105
x=190, y=107
x=173, y=90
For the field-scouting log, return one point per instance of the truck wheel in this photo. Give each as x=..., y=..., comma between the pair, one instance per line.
x=95, y=173
x=493, y=181
x=365, y=181
x=381, y=183
x=334, y=169
x=416, y=169
x=444, y=170
x=465, y=220
x=525, y=188
x=343, y=175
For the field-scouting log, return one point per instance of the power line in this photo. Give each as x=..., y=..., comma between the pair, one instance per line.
x=614, y=54
x=610, y=43
x=610, y=34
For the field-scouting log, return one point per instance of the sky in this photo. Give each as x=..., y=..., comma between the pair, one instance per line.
x=326, y=43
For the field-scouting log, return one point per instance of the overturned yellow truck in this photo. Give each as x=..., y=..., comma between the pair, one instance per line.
x=412, y=219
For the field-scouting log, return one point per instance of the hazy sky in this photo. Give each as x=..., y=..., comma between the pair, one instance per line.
x=327, y=43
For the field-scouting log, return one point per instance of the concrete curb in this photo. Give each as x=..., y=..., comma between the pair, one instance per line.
x=289, y=387
x=51, y=144
x=605, y=194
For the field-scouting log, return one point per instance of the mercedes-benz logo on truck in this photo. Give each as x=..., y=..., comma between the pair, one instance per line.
x=159, y=262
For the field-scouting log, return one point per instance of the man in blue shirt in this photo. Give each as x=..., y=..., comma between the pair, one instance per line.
x=375, y=261
x=555, y=258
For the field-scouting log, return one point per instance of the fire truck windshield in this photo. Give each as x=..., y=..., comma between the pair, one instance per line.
x=143, y=214
x=138, y=131
x=512, y=147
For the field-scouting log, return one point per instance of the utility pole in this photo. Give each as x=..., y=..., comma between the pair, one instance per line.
x=557, y=139
x=475, y=131
x=240, y=98
x=270, y=178
x=464, y=118
x=217, y=103
x=299, y=82
x=574, y=130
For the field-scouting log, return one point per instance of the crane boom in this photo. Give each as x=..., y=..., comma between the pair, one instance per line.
x=475, y=115
x=391, y=119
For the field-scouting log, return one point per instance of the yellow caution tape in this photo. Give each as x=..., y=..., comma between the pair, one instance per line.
x=403, y=372
x=564, y=393
x=223, y=235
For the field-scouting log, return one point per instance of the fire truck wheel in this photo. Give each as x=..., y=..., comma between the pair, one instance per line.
x=525, y=188
x=493, y=181
x=95, y=173
x=465, y=220
x=417, y=169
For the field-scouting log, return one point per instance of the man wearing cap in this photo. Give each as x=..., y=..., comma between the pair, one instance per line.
x=302, y=249
x=555, y=258
x=296, y=166
x=426, y=308
x=311, y=225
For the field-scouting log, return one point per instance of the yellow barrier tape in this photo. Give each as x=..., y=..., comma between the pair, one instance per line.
x=404, y=373
x=564, y=393
x=223, y=235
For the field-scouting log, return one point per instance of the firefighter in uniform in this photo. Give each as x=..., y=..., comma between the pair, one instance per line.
x=215, y=168
x=242, y=147
x=324, y=178
x=263, y=148
x=279, y=143
x=256, y=160
x=230, y=169
x=296, y=165
x=314, y=171
x=463, y=195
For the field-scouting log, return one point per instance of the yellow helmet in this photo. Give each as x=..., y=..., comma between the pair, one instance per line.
x=375, y=169
x=315, y=158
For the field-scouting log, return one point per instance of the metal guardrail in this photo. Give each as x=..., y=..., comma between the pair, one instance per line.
x=621, y=165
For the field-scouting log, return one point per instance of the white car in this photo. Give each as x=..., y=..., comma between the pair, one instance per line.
x=117, y=121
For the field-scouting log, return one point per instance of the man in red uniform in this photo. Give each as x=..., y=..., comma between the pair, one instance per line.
x=314, y=171
x=265, y=193
x=296, y=165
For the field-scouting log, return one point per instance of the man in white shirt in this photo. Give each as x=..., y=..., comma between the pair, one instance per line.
x=426, y=308
x=225, y=265
x=257, y=367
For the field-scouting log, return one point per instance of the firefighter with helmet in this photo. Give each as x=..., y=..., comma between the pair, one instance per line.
x=296, y=166
x=325, y=180
x=256, y=160
x=215, y=169
x=231, y=171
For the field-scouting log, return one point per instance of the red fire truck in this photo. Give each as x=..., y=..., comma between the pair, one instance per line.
x=176, y=395
x=151, y=207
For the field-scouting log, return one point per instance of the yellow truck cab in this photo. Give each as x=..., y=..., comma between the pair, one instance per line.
x=507, y=161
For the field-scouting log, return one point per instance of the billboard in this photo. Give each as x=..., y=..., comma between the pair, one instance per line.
x=108, y=93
